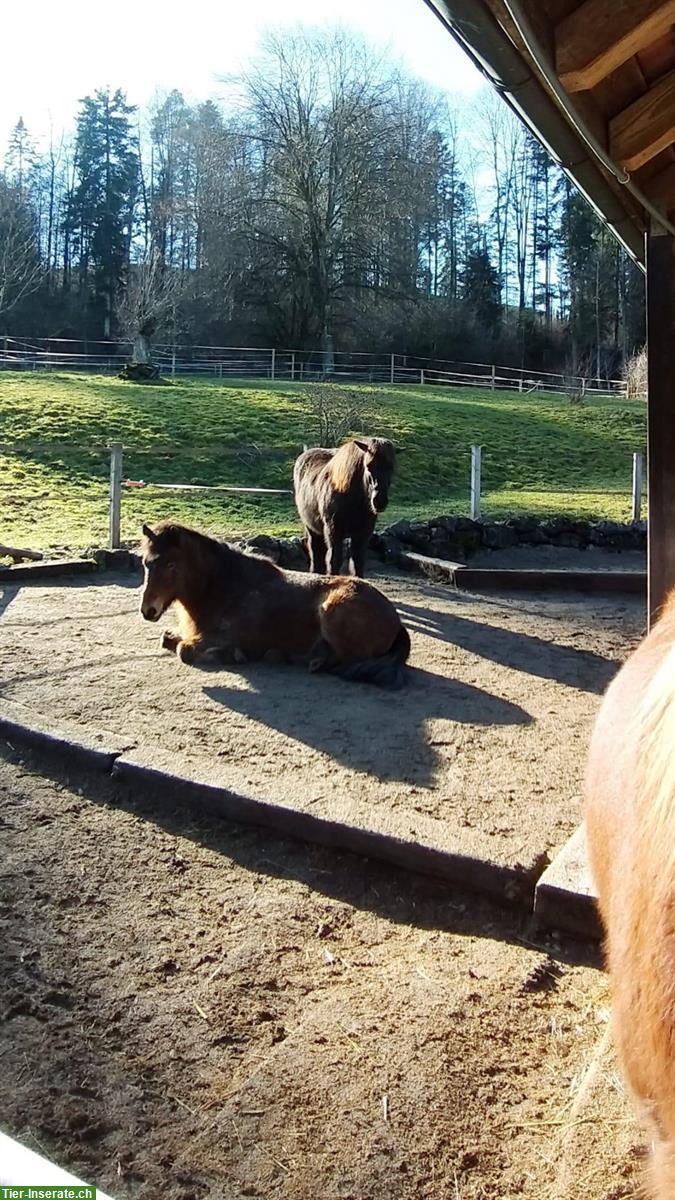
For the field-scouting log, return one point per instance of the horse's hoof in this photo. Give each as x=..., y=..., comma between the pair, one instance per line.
x=168, y=641
x=186, y=653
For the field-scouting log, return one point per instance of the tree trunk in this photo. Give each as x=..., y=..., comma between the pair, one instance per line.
x=142, y=349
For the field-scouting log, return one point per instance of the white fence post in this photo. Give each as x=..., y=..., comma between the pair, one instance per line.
x=272, y=364
x=493, y=373
x=422, y=375
x=115, y=495
x=636, y=510
x=475, y=482
x=292, y=364
x=173, y=363
x=391, y=369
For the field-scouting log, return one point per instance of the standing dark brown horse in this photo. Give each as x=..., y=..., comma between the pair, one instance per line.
x=235, y=607
x=630, y=820
x=339, y=494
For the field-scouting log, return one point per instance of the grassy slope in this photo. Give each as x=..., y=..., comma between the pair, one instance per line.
x=541, y=455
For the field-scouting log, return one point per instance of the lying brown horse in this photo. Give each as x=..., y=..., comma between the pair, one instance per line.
x=235, y=607
x=339, y=494
x=630, y=817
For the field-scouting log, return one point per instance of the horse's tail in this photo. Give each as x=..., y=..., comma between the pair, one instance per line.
x=385, y=671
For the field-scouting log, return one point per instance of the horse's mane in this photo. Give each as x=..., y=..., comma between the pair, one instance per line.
x=344, y=465
x=655, y=733
x=169, y=535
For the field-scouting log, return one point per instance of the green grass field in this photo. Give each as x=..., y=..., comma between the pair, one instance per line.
x=541, y=455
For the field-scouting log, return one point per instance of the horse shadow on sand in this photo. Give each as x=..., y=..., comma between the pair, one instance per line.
x=584, y=670
x=388, y=735
x=383, y=734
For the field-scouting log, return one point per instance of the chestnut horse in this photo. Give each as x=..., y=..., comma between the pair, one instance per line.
x=235, y=607
x=630, y=818
x=339, y=494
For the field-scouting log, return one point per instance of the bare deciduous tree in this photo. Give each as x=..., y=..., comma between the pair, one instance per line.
x=148, y=303
x=20, y=267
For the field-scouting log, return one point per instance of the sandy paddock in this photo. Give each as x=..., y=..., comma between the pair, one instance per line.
x=195, y=1010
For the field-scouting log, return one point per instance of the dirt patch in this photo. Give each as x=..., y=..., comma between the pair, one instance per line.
x=196, y=1010
x=481, y=754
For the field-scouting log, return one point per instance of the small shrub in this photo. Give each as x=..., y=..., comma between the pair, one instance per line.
x=635, y=375
x=336, y=411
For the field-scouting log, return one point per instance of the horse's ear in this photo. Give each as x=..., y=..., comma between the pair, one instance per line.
x=147, y=532
x=362, y=445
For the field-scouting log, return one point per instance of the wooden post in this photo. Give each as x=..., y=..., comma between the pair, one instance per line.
x=391, y=369
x=422, y=375
x=660, y=418
x=493, y=374
x=272, y=364
x=173, y=363
x=636, y=506
x=475, y=482
x=583, y=387
x=115, y=495
x=292, y=364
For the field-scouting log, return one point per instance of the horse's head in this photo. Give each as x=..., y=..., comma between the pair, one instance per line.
x=164, y=567
x=379, y=459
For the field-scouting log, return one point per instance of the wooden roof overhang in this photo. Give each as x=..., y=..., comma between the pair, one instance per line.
x=595, y=82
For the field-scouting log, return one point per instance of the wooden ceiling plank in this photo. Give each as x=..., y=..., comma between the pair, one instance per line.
x=661, y=188
x=600, y=35
x=646, y=127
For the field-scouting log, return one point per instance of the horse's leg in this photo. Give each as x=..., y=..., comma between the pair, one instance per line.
x=169, y=641
x=358, y=555
x=322, y=656
x=317, y=553
x=189, y=650
x=335, y=545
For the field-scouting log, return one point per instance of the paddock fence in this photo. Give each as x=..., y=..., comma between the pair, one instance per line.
x=61, y=495
x=301, y=366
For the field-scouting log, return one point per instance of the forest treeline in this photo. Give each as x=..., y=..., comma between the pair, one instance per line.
x=327, y=196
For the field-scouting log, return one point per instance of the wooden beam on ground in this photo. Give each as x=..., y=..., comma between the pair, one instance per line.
x=601, y=35
x=19, y=555
x=660, y=418
x=646, y=127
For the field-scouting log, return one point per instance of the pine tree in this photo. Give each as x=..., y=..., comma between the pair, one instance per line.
x=101, y=205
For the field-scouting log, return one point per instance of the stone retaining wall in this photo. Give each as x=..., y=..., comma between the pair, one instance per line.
x=458, y=538
x=453, y=538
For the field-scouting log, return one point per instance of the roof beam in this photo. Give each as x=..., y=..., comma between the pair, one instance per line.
x=646, y=127
x=600, y=35
x=661, y=188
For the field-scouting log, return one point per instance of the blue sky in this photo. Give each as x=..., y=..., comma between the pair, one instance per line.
x=66, y=50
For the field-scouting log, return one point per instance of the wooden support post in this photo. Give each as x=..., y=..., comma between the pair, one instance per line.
x=422, y=375
x=272, y=364
x=636, y=506
x=292, y=364
x=660, y=418
x=475, y=482
x=173, y=363
x=493, y=373
x=391, y=369
x=115, y=495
